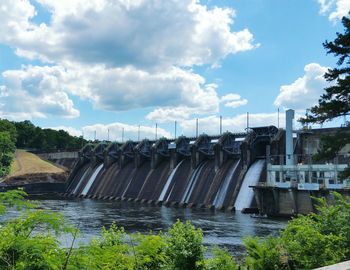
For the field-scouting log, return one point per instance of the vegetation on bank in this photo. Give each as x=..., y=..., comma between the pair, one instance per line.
x=30, y=241
x=24, y=135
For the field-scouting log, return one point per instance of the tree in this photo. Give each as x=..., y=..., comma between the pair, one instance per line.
x=335, y=102
x=6, y=125
x=7, y=148
x=25, y=131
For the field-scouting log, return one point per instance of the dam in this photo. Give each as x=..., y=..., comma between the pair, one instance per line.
x=203, y=172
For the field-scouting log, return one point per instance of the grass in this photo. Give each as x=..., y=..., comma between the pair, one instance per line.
x=26, y=163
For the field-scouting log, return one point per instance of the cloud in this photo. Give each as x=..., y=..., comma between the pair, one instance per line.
x=71, y=130
x=143, y=34
x=233, y=100
x=35, y=92
x=336, y=9
x=121, y=55
x=305, y=91
x=166, y=115
x=110, y=89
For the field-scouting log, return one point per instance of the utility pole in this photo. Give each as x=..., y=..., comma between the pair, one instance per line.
x=220, y=124
x=278, y=117
x=175, y=129
x=156, y=130
x=122, y=135
x=197, y=128
x=247, y=121
x=95, y=135
x=138, y=134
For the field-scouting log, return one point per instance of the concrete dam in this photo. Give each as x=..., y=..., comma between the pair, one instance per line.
x=204, y=172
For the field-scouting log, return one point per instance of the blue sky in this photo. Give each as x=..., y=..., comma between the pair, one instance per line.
x=116, y=64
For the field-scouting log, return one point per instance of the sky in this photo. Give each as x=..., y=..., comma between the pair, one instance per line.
x=104, y=66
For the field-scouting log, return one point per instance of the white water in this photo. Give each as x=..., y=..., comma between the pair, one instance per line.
x=168, y=182
x=192, y=183
x=80, y=181
x=221, y=194
x=91, y=180
x=246, y=194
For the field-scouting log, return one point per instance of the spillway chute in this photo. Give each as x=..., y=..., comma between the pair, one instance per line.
x=91, y=179
x=246, y=194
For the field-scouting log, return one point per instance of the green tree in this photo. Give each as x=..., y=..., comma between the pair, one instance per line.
x=26, y=132
x=184, y=247
x=335, y=102
x=7, y=149
x=7, y=126
x=307, y=242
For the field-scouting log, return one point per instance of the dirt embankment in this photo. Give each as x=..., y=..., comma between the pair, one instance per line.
x=29, y=168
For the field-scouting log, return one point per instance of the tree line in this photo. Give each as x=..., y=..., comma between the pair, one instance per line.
x=25, y=135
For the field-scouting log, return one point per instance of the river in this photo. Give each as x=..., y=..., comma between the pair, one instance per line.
x=219, y=228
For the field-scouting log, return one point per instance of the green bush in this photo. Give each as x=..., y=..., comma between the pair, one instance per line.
x=307, y=242
x=184, y=247
x=222, y=260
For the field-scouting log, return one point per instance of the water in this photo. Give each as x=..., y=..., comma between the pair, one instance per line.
x=246, y=194
x=92, y=180
x=219, y=228
x=192, y=183
x=168, y=182
x=221, y=194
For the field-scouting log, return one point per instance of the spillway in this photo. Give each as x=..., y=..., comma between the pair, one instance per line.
x=246, y=194
x=168, y=182
x=222, y=192
x=92, y=179
x=201, y=172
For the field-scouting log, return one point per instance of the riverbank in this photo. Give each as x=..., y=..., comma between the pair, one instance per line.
x=28, y=168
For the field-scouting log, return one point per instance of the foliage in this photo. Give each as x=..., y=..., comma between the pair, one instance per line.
x=222, y=260
x=335, y=102
x=267, y=254
x=150, y=252
x=307, y=242
x=184, y=246
x=32, y=137
x=7, y=149
x=7, y=126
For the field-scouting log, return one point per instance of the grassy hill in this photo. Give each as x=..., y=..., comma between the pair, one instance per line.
x=28, y=168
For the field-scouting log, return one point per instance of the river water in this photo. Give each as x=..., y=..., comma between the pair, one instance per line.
x=219, y=228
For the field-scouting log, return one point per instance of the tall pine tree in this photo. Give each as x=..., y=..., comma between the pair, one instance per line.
x=335, y=102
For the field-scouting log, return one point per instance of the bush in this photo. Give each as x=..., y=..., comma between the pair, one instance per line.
x=184, y=247
x=307, y=242
x=222, y=260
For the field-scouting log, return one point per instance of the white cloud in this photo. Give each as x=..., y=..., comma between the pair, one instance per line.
x=71, y=130
x=35, y=92
x=122, y=54
x=111, y=89
x=336, y=9
x=305, y=91
x=120, y=33
x=166, y=115
x=233, y=100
